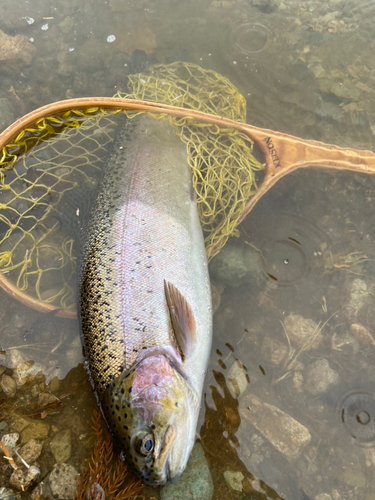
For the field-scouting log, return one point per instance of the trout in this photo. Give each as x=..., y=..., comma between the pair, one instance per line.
x=145, y=302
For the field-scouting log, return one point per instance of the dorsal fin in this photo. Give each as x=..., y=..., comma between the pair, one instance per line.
x=182, y=317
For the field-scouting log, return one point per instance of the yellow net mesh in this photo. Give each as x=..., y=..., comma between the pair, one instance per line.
x=35, y=172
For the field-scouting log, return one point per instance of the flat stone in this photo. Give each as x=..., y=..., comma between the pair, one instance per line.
x=36, y=430
x=31, y=451
x=195, y=482
x=8, y=385
x=61, y=446
x=285, y=433
x=16, y=53
x=63, y=481
x=319, y=377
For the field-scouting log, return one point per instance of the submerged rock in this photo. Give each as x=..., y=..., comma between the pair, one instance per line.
x=26, y=372
x=10, y=440
x=235, y=265
x=31, y=451
x=234, y=480
x=302, y=332
x=36, y=430
x=274, y=351
x=319, y=377
x=63, y=481
x=236, y=379
x=195, y=482
x=362, y=334
x=359, y=296
x=61, y=446
x=8, y=494
x=285, y=433
x=23, y=479
x=16, y=53
x=8, y=386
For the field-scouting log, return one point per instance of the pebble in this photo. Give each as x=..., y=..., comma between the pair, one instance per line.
x=236, y=379
x=36, y=430
x=285, y=433
x=63, y=481
x=195, y=483
x=31, y=451
x=234, y=479
x=323, y=496
x=22, y=479
x=2, y=369
x=17, y=52
x=302, y=332
x=8, y=385
x=10, y=440
x=319, y=377
x=61, y=446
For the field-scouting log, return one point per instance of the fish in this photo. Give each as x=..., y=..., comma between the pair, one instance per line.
x=145, y=300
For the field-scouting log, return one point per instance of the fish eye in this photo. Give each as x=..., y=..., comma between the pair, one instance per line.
x=147, y=444
x=143, y=444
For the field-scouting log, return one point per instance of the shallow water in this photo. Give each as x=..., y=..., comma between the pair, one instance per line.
x=304, y=262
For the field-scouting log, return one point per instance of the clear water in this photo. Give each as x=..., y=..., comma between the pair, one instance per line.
x=307, y=69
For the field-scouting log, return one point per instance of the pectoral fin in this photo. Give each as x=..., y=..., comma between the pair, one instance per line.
x=182, y=317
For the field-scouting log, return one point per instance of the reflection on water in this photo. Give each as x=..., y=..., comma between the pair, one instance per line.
x=289, y=398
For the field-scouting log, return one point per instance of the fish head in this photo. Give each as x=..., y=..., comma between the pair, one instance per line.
x=152, y=412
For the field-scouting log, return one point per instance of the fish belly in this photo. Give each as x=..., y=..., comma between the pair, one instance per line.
x=144, y=229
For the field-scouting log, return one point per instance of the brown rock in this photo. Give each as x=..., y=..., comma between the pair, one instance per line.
x=16, y=52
